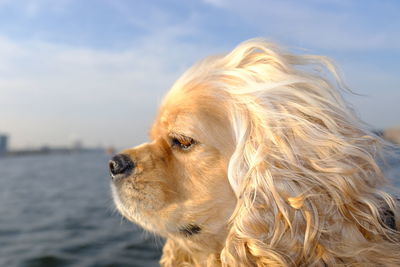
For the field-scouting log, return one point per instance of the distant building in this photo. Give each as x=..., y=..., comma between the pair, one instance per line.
x=3, y=143
x=77, y=145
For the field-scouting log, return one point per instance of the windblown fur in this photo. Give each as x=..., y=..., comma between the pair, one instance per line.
x=299, y=183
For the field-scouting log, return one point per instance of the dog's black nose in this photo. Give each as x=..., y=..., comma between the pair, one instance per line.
x=121, y=164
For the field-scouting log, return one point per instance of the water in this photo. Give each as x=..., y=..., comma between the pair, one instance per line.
x=56, y=210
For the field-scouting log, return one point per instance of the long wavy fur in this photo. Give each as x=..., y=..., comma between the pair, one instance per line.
x=304, y=169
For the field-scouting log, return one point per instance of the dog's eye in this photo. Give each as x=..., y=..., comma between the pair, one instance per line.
x=182, y=142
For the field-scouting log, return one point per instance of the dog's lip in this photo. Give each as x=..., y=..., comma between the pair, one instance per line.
x=117, y=177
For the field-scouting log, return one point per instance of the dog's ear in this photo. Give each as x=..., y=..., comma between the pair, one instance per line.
x=303, y=168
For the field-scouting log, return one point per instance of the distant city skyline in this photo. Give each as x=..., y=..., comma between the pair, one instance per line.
x=95, y=71
x=3, y=144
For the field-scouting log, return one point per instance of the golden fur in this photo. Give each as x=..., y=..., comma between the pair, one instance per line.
x=255, y=159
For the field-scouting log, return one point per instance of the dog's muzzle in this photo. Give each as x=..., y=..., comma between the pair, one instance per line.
x=120, y=166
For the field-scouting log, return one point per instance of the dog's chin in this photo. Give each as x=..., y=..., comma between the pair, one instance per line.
x=134, y=204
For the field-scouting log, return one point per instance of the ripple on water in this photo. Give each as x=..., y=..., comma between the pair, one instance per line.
x=47, y=260
x=59, y=213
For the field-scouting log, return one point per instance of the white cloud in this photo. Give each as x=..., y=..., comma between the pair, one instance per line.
x=33, y=8
x=48, y=91
x=217, y=3
x=306, y=23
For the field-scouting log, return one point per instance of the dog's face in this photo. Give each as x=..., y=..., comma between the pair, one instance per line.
x=176, y=185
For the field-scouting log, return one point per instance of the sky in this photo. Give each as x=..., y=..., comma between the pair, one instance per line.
x=95, y=71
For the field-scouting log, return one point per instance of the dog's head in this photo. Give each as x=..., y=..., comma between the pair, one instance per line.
x=256, y=156
x=177, y=184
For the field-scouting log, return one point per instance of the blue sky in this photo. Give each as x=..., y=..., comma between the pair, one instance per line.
x=97, y=70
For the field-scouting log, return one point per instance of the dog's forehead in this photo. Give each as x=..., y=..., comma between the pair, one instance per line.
x=176, y=120
x=197, y=111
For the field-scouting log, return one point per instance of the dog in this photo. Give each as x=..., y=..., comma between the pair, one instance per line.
x=256, y=159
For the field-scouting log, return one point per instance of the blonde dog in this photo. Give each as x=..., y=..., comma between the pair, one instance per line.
x=255, y=159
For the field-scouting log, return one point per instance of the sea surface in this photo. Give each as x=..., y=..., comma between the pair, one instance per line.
x=56, y=210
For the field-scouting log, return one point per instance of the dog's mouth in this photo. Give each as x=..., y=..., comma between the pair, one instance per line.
x=131, y=189
x=124, y=189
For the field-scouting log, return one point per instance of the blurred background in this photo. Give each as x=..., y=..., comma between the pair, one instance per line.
x=81, y=79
